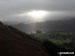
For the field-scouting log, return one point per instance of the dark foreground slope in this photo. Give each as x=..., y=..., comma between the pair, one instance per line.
x=16, y=43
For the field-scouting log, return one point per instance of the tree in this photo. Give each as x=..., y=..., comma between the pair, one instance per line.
x=38, y=31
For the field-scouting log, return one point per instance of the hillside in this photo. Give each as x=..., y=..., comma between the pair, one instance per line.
x=16, y=43
x=65, y=25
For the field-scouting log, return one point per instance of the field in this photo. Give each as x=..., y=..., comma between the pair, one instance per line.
x=64, y=39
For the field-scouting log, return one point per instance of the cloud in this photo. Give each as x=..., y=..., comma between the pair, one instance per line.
x=13, y=7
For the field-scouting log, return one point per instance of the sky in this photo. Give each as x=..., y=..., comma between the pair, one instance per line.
x=11, y=10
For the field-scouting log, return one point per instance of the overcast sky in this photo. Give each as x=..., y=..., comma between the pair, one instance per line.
x=10, y=8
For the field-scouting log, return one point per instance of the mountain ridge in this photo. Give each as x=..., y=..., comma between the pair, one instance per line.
x=66, y=25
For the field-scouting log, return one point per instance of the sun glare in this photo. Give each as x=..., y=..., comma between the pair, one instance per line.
x=37, y=14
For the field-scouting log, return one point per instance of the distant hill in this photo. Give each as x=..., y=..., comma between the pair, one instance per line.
x=10, y=22
x=65, y=25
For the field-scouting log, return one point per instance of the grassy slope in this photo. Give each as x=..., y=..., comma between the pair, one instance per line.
x=58, y=41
